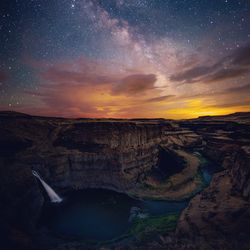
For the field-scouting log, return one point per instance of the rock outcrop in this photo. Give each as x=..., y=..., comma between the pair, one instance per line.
x=86, y=153
x=119, y=155
x=219, y=217
x=73, y=154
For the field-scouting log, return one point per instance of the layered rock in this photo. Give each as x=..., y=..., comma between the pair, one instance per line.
x=219, y=217
x=87, y=153
x=117, y=154
x=73, y=154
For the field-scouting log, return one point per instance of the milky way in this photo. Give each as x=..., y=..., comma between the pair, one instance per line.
x=125, y=58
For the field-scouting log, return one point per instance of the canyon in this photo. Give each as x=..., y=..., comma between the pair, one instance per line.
x=145, y=158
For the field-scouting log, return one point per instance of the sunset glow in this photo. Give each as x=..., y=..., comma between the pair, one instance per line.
x=125, y=59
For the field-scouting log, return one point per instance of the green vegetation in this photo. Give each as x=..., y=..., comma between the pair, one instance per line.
x=150, y=226
x=147, y=228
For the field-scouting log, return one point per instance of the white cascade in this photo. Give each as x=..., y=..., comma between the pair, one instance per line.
x=54, y=197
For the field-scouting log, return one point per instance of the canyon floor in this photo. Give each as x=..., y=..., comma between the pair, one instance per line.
x=144, y=158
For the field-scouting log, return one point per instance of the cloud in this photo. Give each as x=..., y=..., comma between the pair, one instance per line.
x=130, y=77
x=218, y=94
x=192, y=75
x=232, y=66
x=93, y=88
x=239, y=89
x=160, y=98
x=231, y=104
x=224, y=74
x=67, y=76
x=242, y=57
x=135, y=84
x=85, y=74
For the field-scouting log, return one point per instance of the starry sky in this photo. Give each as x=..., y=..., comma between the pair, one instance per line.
x=125, y=58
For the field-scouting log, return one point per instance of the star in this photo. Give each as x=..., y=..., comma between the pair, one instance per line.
x=59, y=56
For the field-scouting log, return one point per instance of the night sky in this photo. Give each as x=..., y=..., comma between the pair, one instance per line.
x=125, y=58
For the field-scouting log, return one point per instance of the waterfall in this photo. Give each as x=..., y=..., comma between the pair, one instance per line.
x=54, y=197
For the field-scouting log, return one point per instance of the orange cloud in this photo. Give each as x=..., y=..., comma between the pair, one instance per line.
x=96, y=88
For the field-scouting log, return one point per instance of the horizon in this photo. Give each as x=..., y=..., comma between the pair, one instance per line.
x=113, y=118
x=125, y=59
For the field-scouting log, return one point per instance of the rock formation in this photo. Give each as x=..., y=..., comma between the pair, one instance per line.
x=219, y=217
x=121, y=155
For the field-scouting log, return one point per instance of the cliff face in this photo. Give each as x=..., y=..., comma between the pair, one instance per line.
x=87, y=153
x=73, y=154
x=240, y=173
x=219, y=217
x=111, y=154
x=20, y=206
x=119, y=154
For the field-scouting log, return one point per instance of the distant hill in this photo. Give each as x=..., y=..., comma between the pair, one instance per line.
x=238, y=116
x=234, y=117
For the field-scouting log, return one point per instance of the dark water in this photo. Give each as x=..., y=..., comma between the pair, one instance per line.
x=207, y=171
x=207, y=168
x=99, y=215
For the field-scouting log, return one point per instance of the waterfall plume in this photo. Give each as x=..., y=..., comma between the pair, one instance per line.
x=54, y=197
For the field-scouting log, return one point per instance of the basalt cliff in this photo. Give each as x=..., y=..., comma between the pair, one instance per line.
x=130, y=156
x=221, y=213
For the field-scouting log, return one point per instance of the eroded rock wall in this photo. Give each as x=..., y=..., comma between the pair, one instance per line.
x=89, y=153
x=72, y=154
x=219, y=217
